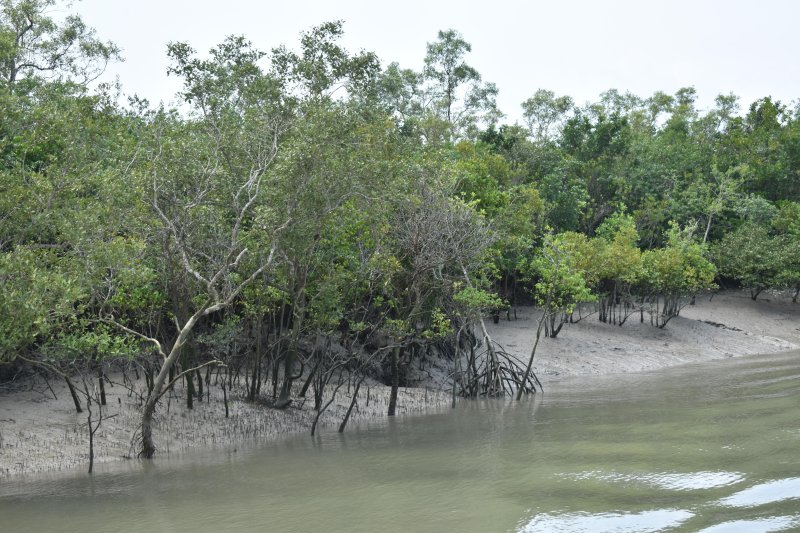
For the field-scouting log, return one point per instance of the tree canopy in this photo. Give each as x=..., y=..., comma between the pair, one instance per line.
x=312, y=193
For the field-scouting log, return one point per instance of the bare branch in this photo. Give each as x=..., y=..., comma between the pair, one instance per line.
x=219, y=305
x=178, y=242
x=137, y=334
x=179, y=376
x=42, y=363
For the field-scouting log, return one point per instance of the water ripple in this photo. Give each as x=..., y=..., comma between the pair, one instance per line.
x=773, y=523
x=644, y=522
x=764, y=493
x=669, y=480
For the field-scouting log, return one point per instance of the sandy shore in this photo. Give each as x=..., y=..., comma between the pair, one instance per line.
x=724, y=325
x=39, y=433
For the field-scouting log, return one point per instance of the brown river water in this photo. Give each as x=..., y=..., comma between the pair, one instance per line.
x=712, y=447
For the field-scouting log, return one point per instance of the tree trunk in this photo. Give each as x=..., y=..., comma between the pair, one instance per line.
x=74, y=394
x=284, y=399
x=494, y=384
x=309, y=379
x=91, y=434
x=324, y=408
x=472, y=370
x=189, y=391
x=708, y=228
x=456, y=367
x=395, y=381
x=255, y=380
x=352, y=404
x=148, y=377
x=199, y=385
x=148, y=446
x=521, y=387
x=275, y=365
x=101, y=382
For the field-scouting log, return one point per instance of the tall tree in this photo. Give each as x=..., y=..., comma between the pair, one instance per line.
x=544, y=114
x=750, y=256
x=458, y=95
x=561, y=283
x=207, y=181
x=675, y=272
x=322, y=65
x=33, y=44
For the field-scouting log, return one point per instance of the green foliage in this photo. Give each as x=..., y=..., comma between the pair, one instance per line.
x=483, y=177
x=322, y=63
x=680, y=268
x=95, y=341
x=544, y=113
x=440, y=326
x=446, y=101
x=788, y=275
x=223, y=335
x=132, y=286
x=787, y=243
x=520, y=226
x=787, y=220
x=750, y=256
x=561, y=279
x=708, y=198
x=473, y=301
x=754, y=209
x=566, y=195
x=33, y=44
x=447, y=71
x=618, y=254
x=618, y=267
x=376, y=207
x=38, y=298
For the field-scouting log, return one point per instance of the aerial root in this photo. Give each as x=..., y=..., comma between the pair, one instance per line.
x=496, y=373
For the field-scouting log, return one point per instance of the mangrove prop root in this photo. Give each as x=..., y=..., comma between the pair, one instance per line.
x=497, y=373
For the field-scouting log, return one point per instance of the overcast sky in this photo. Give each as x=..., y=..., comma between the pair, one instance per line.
x=575, y=47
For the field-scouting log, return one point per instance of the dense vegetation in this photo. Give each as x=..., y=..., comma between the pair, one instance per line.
x=308, y=211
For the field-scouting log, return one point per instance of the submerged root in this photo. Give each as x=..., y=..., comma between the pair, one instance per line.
x=496, y=373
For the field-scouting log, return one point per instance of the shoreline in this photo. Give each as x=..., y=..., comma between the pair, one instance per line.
x=43, y=435
x=40, y=434
x=719, y=326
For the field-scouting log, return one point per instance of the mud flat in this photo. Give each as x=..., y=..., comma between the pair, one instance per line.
x=40, y=431
x=726, y=324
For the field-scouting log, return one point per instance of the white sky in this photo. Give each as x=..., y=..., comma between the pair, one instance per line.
x=575, y=47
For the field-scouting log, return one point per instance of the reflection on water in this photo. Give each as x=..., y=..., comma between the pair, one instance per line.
x=764, y=493
x=774, y=523
x=623, y=523
x=669, y=480
x=710, y=447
